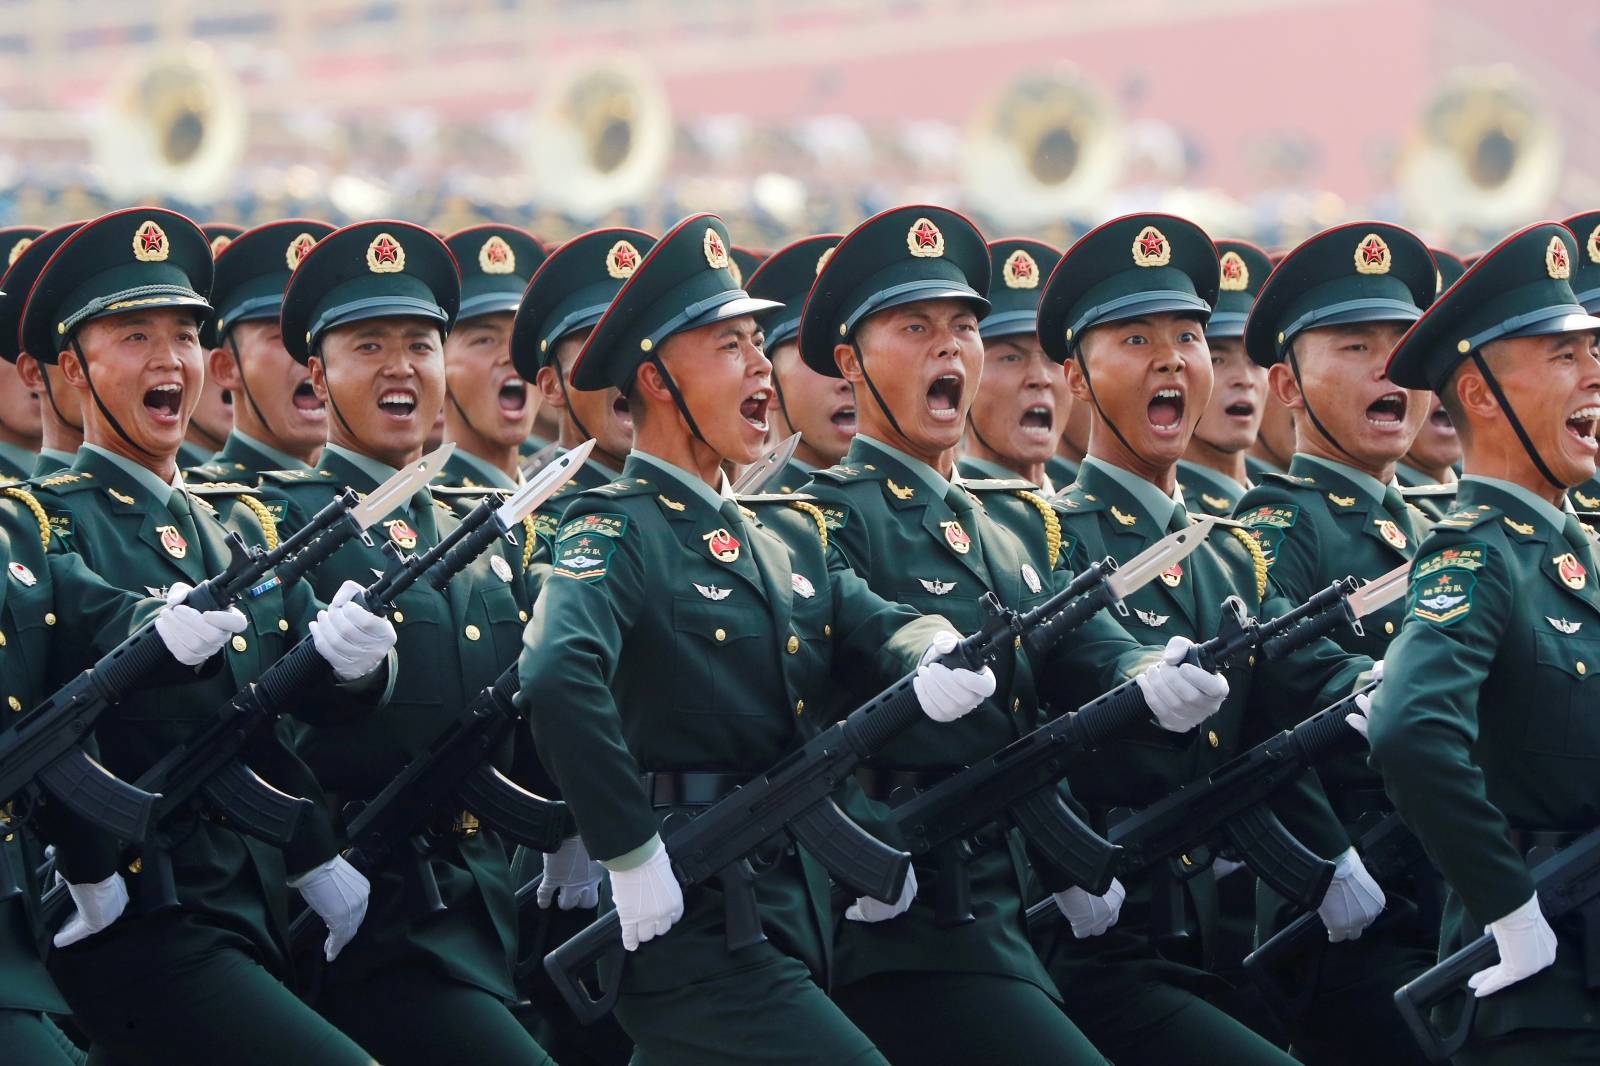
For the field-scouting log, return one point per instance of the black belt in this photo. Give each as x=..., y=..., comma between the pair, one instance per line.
x=690, y=788
x=1527, y=840
x=881, y=784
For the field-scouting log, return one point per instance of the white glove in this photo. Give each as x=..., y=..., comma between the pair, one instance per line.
x=648, y=897
x=194, y=636
x=570, y=869
x=1180, y=694
x=338, y=893
x=947, y=694
x=1221, y=867
x=350, y=637
x=1091, y=915
x=98, y=905
x=1358, y=719
x=867, y=909
x=1527, y=945
x=1353, y=901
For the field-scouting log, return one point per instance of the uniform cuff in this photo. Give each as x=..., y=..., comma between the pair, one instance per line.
x=630, y=860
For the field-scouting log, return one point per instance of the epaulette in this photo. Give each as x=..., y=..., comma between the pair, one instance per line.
x=841, y=474
x=1467, y=517
x=296, y=477
x=67, y=481
x=1074, y=498
x=803, y=504
x=1422, y=491
x=1292, y=480
x=998, y=484
x=1052, y=522
x=774, y=497
x=625, y=486
x=17, y=492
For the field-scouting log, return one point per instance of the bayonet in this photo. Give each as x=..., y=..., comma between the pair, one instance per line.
x=759, y=475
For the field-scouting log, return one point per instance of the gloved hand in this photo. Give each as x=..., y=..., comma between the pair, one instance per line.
x=947, y=694
x=1091, y=915
x=97, y=906
x=648, y=897
x=1353, y=901
x=194, y=636
x=867, y=909
x=1180, y=694
x=350, y=637
x=570, y=869
x=1527, y=945
x=1358, y=719
x=338, y=893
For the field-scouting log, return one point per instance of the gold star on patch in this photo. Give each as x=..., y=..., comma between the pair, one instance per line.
x=716, y=253
x=622, y=260
x=924, y=240
x=297, y=250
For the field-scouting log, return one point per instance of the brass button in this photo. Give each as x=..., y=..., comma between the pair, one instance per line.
x=1582, y=669
x=1016, y=643
x=1186, y=860
x=14, y=703
x=1388, y=627
x=398, y=616
x=799, y=706
x=472, y=632
x=283, y=625
x=827, y=631
x=2, y=639
x=1211, y=736
x=238, y=643
x=721, y=634
x=522, y=616
x=49, y=618
x=135, y=866
x=1252, y=660
x=794, y=644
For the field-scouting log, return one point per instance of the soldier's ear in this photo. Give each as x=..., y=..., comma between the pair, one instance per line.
x=319, y=377
x=848, y=358
x=221, y=368
x=1284, y=388
x=549, y=386
x=71, y=368
x=1473, y=394
x=1077, y=384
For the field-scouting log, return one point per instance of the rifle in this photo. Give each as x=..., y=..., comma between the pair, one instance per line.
x=1287, y=967
x=795, y=796
x=1567, y=883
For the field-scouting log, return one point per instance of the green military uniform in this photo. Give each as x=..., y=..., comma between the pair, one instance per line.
x=1319, y=522
x=1205, y=491
x=679, y=649
x=414, y=986
x=1586, y=286
x=1483, y=726
x=1259, y=468
x=16, y=463
x=1061, y=471
x=1433, y=499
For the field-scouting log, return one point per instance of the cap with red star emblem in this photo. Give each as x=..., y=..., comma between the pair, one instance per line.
x=1243, y=268
x=220, y=234
x=570, y=291
x=1586, y=264
x=33, y=247
x=786, y=277
x=379, y=269
x=253, y=270
x=143, y=257
x=1354, y=273
x=496, y=263
x=1136, y=265
x=1022, y=265
x=901, y=256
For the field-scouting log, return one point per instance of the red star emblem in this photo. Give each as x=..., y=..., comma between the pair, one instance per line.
x=625, y=258
x=714, y=244
x=496, y=253
x=925, y=235
x=1151, y=244
x=1372, y=251
x=1023, y=269
x=385, y=251
x=150, y=238
x=1230, y=269
x=1558, y=255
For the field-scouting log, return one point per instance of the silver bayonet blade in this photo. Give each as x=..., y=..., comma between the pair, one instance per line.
x=402, y=486
x=536, y=462
x=1162, y=555
x=759, y=474
x=543, y=485
x=1380, y=592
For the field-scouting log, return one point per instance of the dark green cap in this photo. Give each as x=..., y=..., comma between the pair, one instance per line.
x=220, y=235
x=900, y=256
x=1519, y=288
x=136, y=258
x=745, y=262
x=254, y=268
x=1357, y=272
x=1018, y=268
x=1135, y=265
x=496, y=262
x=1449, y=268
x=29, y=248
x=571, y=290
x=682, y=284
x=1586, y=268
x=786, y=277
x=1242, y=269
x=379, y=269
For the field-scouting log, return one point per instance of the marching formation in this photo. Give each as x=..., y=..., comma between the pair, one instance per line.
x=908, y=647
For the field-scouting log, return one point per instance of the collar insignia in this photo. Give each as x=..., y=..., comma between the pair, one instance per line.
x=901, y=492
x=1342, y=501
x=938, y=588
x=672, y=505
x=711, y=592
x=1590, y=502
x=1219, y=502
x=1563, y=626
x=1123, y=519
x=119, y=496
x=1520, y=527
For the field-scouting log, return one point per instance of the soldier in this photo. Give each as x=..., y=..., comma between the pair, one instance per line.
x=1427, y=474
x=1016, y=419
x=118, y=308
x=1214, y=473
x=895, y=311
x=279, y=423
x=367, y=311
x=1586, y=283
x=1483, y=727
x=680, y=648
x=213, y=415
x=1063, y=466
x=1325, y=322
x=488, y=410
x=60, y=420
x=821, y=409
x=19, y=405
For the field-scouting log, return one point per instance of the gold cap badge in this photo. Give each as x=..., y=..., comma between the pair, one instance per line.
x=1235, y=273
x=17, y=249
x=385, y=256
x=219, y=242
x=1593, y=245
x=1021, y=271
x=1556, y=262
x=622, y=260
x=716, y=254
x=1372, y=255
x=822, y=260
x=924, y=240
x=496, y=256
x=297, y=250
x=1151, y=248
x=150, y=244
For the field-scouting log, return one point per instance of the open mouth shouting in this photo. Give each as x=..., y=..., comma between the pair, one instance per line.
x=754, y=408
x=1244, y=410
x=398, y=404
x=1388, y=412
x=164, y=403
x=513, y=397
x=1582, y=423
x=306, y=402
x=1165, y=412
x=844, y=419
x=619, y=410
x=1038, y=422
x=1439, y=420
x=944, y=398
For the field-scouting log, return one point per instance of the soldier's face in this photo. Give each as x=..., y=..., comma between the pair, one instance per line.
x=147, y=368
x=213, y=414
x=384, y=381
x=602, y=412
x=1021, y=406
x=297, y=417
x=1437, y=445
x=1342, y=377
x=1238, y=398
x=926, y=359
x=726, y=383
x=19, y=407
x=479, y=377
x=1553, y=384
x=67, y=399
x=821, y=409
x=1153, y=378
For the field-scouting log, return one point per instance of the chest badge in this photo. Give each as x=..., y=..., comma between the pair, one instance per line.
x=711, y=592
x=1172, y=576
x=937, y=587
x=1562, y=625
x=1571, y=572
x=803, y=586
x=501, y=568
x=1151, y=619
x=1390, y=533
x=22, y=574
x=724, y=546
x=173, y=541
x=956, y=537
x=401, y=533
x=1030, y=578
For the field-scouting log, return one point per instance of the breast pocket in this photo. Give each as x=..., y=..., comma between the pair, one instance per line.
x=1563, y=715
x=506, y=619
x=715, y=643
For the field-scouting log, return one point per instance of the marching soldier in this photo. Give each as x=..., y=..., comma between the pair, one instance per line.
x=213, y=415
x=896, y=312
x=1325, y=322
x=1063, y=466
x=680, y=648
x=821, y=409
x=19, y=405
x=1484, y=726
x=1214, y=473
x=1016, y=419
x=60, y=420
x=1427, y=474
x=278, y=422
x=118, y=309
x=488, y=409
x=1586, y=284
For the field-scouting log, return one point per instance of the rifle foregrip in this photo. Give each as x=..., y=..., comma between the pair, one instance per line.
x=851, y=854
x=282, y=685
x=98, y=796
x=1302, y=634
x=515, y=813
x=120, y=670
x=467, y=547
x=1274, y=855
x=315, y=553
x=888, y=714
x=566, y=963
x=1111, y=714
x=1042, y=638
x=252, y=805
x=1062, y=840
x=1416, y=999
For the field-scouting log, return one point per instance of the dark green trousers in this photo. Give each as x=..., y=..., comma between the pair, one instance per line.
x=1525, y=1047
x=413, y=1015
x=28, y=1038
x=771, y=1013
x=925, y=1018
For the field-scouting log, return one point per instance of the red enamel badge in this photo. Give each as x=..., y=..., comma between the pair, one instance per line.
x=402, y=534
x=724, y=546
x=1571, y=572
x=173, y=541
x=1172, y=575
x=957, y=538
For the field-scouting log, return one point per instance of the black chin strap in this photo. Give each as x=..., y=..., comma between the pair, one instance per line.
x=677, y=398
x=972, y=424
x=777, y=390
x=1083, y=365
x=572, y=413
x=95, y=394
x=1294, y=367
x=51, y=396
x=861, y=361
x=1516, y=423
x=244, y=384
x=331, y=401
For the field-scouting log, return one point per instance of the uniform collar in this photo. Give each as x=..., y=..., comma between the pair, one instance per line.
x=1366, y=484
x=1157, y=505
x=1544, y=509
x=707, y=495
x=490, y=473
x=146, y=478
x=283, y=459
x=21, y=458
x=1218, y=477
x=936, y=482
x=378, y=472
x=64, y=458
